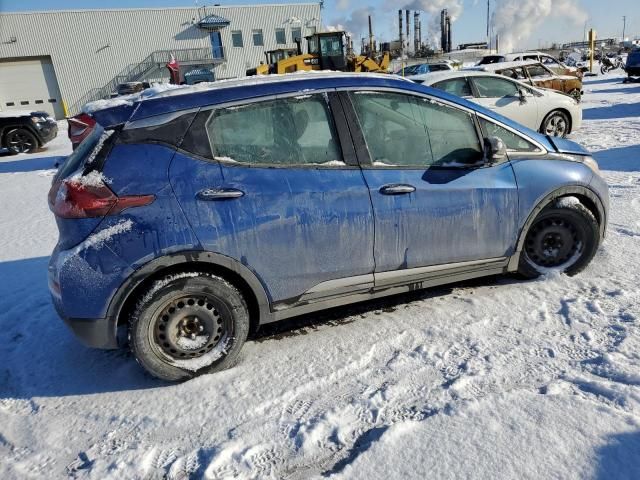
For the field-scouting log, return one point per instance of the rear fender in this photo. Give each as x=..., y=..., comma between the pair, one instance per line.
x=190, y=259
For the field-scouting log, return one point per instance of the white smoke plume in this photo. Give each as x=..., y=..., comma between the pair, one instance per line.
x=515, y=20
x=433, y=9
x=357, y=24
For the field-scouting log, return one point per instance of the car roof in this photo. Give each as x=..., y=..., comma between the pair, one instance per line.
x=171, y=99
x=492, y=67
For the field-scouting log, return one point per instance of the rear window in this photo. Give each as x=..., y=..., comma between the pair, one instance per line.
x=80, y=154
x=491, y=59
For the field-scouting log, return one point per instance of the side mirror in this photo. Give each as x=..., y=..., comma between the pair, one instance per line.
x=494, y=150
x=522, y=95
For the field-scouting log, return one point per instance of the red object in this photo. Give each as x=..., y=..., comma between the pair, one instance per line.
x=79, y=127
x=72, y=199
x=174, y=70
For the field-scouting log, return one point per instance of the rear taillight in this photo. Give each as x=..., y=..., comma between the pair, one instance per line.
x=71, y=198
x=79, y=124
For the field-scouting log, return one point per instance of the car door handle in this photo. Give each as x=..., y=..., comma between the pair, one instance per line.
x=219, y=193
x=397, y=189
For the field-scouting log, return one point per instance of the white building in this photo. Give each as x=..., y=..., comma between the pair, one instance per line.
x=58, y=60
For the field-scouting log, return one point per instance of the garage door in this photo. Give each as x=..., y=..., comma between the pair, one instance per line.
x=30, y=84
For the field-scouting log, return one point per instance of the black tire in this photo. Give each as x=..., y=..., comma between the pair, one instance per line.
x=564, y=237
x=575, y=93
x=20, y=140
x=603, y=70
x=556, y=124
x=165, y=329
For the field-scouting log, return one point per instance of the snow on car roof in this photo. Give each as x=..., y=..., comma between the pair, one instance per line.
x=164, y=90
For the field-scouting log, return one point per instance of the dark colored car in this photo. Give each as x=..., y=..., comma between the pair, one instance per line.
x=205, y=212
x=633, y=63
x=26, y=132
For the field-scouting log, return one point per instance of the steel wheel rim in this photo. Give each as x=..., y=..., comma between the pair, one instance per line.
x=553, y=242
x=20, y=142
x=556, y=126
x=190, y=326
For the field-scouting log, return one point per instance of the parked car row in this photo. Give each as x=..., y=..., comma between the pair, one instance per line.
x=368, y=185
x=542, y=110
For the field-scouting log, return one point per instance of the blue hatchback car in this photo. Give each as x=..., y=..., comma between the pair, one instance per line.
x=190, y=217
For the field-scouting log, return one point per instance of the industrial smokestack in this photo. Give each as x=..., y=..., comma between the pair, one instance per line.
x=400, y=30
x=448, y=33
x=443, y=30
x=420, y=34
x=416, y=32
x=371, y=49
x=408, y=32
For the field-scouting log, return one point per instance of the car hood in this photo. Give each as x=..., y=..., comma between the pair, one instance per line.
x=562, y=145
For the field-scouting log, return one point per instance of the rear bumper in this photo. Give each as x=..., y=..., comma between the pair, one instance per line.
x=82, y=283
x=94, y=332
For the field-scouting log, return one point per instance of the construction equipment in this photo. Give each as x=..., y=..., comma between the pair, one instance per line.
x=326, y=51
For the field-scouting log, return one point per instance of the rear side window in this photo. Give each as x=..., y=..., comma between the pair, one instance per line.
x=288, y=131
x=538, y=71
x=489, y=87
x=403, y=130
x=455, y=86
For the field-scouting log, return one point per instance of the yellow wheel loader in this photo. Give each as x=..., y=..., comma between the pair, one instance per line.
x=326, y=52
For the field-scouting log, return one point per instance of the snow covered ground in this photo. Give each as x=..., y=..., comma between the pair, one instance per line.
x=493, y=379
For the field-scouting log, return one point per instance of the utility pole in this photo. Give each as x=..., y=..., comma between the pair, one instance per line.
x=624, y=25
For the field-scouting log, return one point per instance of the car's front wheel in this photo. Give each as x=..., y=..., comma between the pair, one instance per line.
x=556, y=124
x=188, y=324
x=564, y=237
x=20, y=140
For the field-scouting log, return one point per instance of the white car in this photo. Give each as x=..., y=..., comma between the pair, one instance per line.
x=546, y=111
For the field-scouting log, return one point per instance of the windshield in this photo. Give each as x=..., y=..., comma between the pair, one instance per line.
x=331, y=46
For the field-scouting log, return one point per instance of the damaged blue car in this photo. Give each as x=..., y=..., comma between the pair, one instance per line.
x=188, y=218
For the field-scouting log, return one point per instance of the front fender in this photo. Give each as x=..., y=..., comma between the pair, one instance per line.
x=547, y=200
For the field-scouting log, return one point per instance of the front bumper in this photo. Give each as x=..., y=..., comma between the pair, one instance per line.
x=47, y=131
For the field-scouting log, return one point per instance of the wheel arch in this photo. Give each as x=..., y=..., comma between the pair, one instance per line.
x=5, y=129
x=124, y=300
x=560, y=109
x=583, y=193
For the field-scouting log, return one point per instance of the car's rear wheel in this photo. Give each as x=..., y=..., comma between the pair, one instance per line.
x=20, y=140
x=188, y=324
x=563, y=238
x=556, y=124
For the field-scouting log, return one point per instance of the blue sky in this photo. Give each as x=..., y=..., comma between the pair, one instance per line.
x=565, y=23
